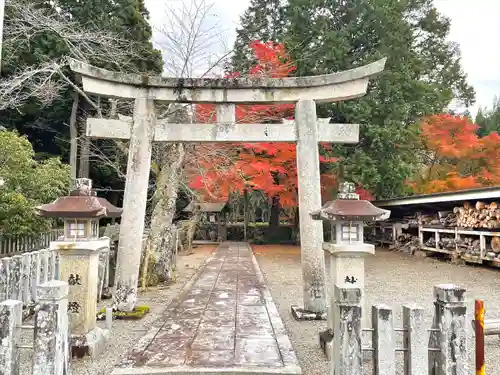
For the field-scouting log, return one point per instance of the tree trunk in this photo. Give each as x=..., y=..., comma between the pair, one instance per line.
x=84, y=167
x=73, y=136
x=161, y=234
x=191, y=227
x=245, y=215
x=274, y=220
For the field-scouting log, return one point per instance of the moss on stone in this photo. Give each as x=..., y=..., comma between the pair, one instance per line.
x=138, y=313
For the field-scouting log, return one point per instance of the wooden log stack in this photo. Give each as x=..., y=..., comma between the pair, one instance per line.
x=480, y=215
x=407, y=243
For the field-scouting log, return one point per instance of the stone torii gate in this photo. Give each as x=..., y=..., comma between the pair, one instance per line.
x=143, y=129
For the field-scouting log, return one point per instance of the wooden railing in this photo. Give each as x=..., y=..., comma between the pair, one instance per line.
x=14, y=245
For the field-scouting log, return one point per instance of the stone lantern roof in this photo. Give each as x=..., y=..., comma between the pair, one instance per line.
x=82, y=202
x=348, y=207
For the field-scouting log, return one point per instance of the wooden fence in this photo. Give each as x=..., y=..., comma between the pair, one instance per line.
x=436, y=350
x=13, y=245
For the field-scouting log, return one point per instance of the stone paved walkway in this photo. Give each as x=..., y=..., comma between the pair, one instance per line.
x=224, y=322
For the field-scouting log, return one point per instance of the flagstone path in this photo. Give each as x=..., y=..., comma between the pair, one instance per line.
x=224, y=322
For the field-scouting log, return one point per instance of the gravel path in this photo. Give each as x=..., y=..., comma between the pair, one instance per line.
x=126, y=333
x=392, y=278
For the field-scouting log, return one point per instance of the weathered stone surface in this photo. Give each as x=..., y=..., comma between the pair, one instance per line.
x=416, y=357
x=25, y=279
x=44, y=266
x=383, y=340
x=451, y=340
x=35, y=271
x=10, y=318
x=331, y=87
x=4, y=279
x=311, y=231
x=134, y=205
x=51, y=341
x=15, y=270
x=215, y=330
x=347, y=352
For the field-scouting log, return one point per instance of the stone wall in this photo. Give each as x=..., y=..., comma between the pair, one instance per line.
x=50, y=353
x=20, y=275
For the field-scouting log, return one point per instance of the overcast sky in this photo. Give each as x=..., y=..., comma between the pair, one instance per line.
x=475, y=26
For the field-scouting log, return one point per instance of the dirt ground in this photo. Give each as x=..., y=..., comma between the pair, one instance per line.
x=392, y=278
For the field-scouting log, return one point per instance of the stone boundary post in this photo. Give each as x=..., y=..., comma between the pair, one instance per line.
x=416, y=356
x=51, y=337
x=347, y=333
x=383, y=340
x=451, y=339
x=11, y=316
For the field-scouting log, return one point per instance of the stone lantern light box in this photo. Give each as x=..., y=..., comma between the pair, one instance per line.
x=78, y=252
x=347, y=215
x=81, y=212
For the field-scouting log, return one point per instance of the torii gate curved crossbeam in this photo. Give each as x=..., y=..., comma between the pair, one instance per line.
x=306, y=131
x=339, y=86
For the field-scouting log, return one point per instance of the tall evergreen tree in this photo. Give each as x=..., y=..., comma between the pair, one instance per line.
x=489, y=120
x=422, y=76
x=47, y=127
x=263, y=20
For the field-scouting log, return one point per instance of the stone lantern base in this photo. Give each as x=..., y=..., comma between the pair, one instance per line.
x=89, y=344
x=300, y=314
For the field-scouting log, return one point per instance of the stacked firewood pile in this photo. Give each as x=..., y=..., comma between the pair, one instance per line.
x=481, y=215
x=407, y=243
x=442, y=218
x=463, y=245
x=466, y=245
x=380, y=237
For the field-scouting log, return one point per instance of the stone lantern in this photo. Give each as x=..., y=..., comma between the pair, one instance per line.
x=78, y=250
x=345, y=253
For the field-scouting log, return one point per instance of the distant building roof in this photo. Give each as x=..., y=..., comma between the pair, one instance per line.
x=206, y=207
x=460, y=195
x=438, y=201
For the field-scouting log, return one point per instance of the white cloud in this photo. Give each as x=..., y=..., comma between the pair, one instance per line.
x=475, y=27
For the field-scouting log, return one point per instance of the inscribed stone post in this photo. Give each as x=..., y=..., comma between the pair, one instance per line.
x=347, y=358
x=416, y=356
x=311, y=231
x=451, y=339
x=79, y=265
x=11, y=315
x=4, y=279
x=15, y=269
x=383, y=341
x=134, y=204
x=51, y=343
x=347, y=266
x=25, y=279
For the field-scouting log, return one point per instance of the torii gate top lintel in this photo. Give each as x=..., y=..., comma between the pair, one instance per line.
x=338, y=86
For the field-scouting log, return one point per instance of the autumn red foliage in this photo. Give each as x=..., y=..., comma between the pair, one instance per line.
x=455, y=157
x=269, y=167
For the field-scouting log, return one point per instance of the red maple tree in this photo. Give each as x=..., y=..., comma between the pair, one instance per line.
x=455, y=156
x=268, y=167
